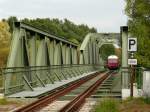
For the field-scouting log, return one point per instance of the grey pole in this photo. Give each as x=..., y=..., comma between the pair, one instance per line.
x=124, y=37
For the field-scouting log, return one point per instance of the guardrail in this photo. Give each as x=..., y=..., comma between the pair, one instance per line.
x=17, y=79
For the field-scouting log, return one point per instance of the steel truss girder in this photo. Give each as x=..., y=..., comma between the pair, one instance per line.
x=41, y=32
x=90, y=47
x=31, y=46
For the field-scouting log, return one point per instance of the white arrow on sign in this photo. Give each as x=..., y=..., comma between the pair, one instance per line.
x=132, y=44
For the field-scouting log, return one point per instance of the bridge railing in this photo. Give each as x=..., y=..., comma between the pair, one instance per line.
x=28, y=78
x=137, y=78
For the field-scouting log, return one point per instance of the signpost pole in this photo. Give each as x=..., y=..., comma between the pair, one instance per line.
x=132, y=76
x=132, y=47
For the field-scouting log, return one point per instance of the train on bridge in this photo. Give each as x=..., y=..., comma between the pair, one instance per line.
x=112, y=62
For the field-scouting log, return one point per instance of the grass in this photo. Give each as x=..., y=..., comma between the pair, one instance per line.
x=4, y=101
x=7, y=101
x=141, y=100
x=146, y=100
x=107, y=105
x=128, y=105
x=135, y=105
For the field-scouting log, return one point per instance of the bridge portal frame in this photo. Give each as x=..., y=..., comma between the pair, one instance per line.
x=90, y=47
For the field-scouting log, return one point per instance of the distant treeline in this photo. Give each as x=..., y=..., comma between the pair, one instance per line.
x=62, y=28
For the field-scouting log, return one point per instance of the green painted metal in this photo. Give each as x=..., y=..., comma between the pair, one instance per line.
x=38, y=58
x=57, y=54
x=125, y=74
x=42, y=32
x=38, y=48
x=31, y=46
x=68, y=59
x=63, y=47
x=42, y=75
x=41, y=54
x=138, y=79
x=27, y=85
x=51, y=51
x=32, y=51
x=90, y=47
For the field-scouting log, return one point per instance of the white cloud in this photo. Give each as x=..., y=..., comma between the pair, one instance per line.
x=105, y=15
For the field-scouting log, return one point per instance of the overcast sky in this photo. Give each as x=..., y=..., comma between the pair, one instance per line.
x=105, y=15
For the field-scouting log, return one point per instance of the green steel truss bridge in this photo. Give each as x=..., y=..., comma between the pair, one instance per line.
x=39, y=62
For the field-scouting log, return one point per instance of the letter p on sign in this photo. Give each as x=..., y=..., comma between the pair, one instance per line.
x=132, y=44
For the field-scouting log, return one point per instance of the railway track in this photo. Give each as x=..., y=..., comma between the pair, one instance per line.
x=73, y=104
x=76, y=104
x=42, y=102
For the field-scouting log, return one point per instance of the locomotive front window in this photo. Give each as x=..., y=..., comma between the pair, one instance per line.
x=112, y=61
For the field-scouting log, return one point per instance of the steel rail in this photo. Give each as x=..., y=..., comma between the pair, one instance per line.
x=77, y=102
x=42, y=102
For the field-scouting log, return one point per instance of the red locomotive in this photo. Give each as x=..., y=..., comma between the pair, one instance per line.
x=113, y=62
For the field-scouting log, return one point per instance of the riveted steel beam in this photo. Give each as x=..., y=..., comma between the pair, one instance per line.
x=42, y=32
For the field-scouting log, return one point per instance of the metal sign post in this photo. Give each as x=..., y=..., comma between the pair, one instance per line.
x=132, y=77
x=132, y=47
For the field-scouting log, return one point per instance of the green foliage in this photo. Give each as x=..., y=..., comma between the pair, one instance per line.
x=106, y=50
x=7, y=101
x=3, y=101
x=62, y=28
x=107, y=105
x=4, y=42
x=146, y=100
x=1, y=80
x=11, y=21
x=138, y=12
x=139, y=100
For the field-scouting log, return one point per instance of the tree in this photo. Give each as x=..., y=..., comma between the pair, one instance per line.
x=11, y=21
x=138, y=12
x=4, y=42
x=118, y=52
x=107, y=50
x=62, y=28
